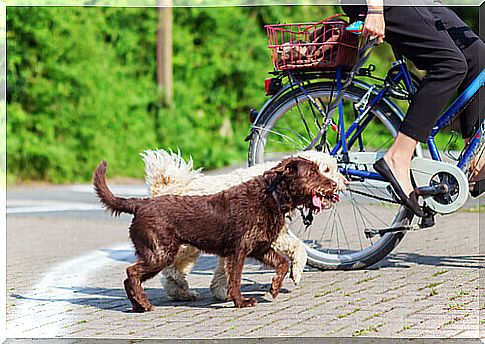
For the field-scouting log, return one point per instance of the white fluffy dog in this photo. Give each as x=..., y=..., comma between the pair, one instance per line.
x=168, y=173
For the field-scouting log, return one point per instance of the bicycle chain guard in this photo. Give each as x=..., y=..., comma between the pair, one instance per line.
x=428, y=172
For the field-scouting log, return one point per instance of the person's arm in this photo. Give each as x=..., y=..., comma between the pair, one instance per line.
x=374, y=25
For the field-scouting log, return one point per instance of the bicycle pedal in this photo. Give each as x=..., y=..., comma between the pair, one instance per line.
x=428, y=220
x=433, y=190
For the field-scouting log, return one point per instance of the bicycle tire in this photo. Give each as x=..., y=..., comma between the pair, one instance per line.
x=385, y=113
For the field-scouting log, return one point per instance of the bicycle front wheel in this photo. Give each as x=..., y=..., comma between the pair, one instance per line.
x=336, y=238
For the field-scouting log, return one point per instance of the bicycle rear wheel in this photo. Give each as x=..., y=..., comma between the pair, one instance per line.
x=336, y=238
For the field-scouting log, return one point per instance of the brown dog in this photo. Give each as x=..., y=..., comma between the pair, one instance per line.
x=236, y=223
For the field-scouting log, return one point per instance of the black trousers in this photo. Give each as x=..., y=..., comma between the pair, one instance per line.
x=435, y=39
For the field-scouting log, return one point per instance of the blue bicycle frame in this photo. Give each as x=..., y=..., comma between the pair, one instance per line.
x=347, y=138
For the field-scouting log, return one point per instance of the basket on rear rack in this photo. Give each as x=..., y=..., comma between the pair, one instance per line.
x=323, y=45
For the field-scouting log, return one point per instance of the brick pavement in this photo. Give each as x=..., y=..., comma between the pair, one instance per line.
x=428, y=287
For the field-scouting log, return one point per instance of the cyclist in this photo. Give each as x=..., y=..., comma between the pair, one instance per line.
x=435, y=39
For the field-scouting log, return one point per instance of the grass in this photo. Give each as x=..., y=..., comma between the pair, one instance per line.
x=368, y=279
x=351, y=302
x=326, y=292
x=387, y=299
x=367, y=330
x=378, y=314
x=454, y=306
x=439, y=273
x=431, y=285
x=478, y=209
x=341, y=316
x=455, y=319
x=460, y=294
x=350, y=293
x=375, y=315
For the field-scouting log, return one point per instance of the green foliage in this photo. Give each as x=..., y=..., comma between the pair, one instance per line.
x=76, y=95
x=82, y=86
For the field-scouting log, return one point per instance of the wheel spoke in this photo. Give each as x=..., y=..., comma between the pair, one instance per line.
x=343, y=230
x=304, y=120
x=336, y=236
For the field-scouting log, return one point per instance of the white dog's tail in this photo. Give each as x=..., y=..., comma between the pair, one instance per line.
x=163, y=169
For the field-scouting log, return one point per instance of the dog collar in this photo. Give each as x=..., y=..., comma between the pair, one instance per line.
x=277, y=200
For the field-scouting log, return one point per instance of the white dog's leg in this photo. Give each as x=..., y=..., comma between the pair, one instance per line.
x=174, y=276
x=294, y=249
x=218, y=284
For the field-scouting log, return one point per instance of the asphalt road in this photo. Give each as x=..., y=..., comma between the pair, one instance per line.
x=66, y=259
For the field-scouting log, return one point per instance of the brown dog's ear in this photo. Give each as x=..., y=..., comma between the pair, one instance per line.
x=291, y=165
x=272, y=178
x=285, y=167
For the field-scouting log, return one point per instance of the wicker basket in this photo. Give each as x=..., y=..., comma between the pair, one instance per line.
x=314, y=46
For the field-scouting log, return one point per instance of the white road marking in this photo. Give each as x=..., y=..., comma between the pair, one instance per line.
x=122, y=190
x=42, y=312
x=50, y=207
x=21, y=206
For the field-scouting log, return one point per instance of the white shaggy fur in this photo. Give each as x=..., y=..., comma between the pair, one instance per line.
x=168, y=173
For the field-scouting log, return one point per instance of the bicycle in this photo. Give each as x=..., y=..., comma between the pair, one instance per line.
x=300, y=115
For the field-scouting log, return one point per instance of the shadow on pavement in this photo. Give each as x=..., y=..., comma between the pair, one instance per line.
x=205, y=264
x=115, y=299
x=408, y=260
x=404, y=260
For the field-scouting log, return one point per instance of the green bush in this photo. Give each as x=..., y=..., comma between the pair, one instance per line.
x=76, y=95
x=82, y=86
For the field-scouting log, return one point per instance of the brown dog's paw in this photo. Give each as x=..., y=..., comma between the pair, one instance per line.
x=251, y=302
x=274, y=292
x=143, y=308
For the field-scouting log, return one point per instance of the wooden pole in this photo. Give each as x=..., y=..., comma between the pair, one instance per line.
x=164, y=51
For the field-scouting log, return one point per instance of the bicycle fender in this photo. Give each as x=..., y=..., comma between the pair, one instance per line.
x=270, y=101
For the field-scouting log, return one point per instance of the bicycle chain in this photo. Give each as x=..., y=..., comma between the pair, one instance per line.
x=374, y=196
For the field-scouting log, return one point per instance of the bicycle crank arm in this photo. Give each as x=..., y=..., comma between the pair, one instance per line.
x=372, y=232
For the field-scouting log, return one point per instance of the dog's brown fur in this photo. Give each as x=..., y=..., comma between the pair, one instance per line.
x=235, y=223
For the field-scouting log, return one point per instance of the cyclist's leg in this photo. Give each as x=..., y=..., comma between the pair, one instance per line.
x=412, y=32
x=473, y=49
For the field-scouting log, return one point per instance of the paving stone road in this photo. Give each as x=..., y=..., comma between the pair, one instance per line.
x=66, y=262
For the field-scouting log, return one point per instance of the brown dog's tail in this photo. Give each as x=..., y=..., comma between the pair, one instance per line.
x=116, y=205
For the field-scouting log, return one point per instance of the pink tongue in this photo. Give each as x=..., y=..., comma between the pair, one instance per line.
x=317, y=202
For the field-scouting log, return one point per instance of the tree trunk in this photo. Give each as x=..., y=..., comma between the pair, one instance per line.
x=164, y=51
